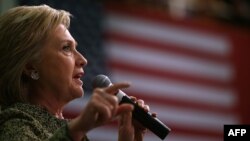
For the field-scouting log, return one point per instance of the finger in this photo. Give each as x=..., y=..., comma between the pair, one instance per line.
x=126, y=130
x=133, y=98
x=109, y=100
x=124, y=108
x=113, y=100
x=146, y=108
x=111, y=107
x=102, y=113
x=115, y=87
x=154, y=115
x=126, y=118
x=140, y=102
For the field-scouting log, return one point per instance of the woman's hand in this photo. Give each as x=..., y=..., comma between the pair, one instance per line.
x=102, y=108
x=130, y=129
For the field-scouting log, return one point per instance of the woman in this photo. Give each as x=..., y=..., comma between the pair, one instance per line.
x=40, y=71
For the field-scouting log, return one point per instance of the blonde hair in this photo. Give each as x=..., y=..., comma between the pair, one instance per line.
x=23, y=30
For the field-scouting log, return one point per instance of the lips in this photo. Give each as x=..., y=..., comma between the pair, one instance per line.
x=77, y=78
x=78, y=75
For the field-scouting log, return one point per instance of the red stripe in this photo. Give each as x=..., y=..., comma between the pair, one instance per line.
x=195, y=132
x=196, y=24
x=142, y=43
x=194, y=79
x=178, y=130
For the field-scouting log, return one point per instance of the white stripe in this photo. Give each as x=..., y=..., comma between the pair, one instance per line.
x=111, y=134
x=177, y=90
x=150, y=30
x=168, y=62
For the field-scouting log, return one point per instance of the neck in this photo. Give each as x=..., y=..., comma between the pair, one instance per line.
x=50, y=104
x=52, y=108
x=47, y=98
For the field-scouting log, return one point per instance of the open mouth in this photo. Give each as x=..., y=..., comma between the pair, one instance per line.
x=77, y=78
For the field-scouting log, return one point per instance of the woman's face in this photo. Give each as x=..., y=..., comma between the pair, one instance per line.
x=61, y=67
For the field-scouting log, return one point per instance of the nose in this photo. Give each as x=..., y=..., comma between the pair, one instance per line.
x=81, y=61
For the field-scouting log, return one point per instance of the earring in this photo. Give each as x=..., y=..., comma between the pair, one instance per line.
x=34, y=75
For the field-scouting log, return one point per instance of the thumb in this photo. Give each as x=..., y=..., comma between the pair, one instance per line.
x=126, y=129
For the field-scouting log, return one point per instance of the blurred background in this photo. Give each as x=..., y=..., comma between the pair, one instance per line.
x=188, y=59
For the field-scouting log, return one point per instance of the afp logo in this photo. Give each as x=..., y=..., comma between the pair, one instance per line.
x=236, y=132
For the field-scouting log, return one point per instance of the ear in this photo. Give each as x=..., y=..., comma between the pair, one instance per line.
x=29, y=67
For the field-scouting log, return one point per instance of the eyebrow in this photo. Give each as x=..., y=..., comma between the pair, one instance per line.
x=71, y=41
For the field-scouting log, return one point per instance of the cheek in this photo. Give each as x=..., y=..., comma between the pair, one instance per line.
x=58, y=69
x=64, y=69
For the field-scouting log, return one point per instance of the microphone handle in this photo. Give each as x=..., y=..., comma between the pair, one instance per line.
x=146, y=119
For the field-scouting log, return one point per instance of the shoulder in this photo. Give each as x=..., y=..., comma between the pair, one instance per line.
x=16, y=114
x=30, y=122
x=17, y=124
x=20, y=129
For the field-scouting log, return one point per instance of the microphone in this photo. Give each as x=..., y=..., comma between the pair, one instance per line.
x=139, y=114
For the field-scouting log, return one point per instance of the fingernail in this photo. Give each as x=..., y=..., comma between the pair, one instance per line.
x=133, y=98
x=153, y=114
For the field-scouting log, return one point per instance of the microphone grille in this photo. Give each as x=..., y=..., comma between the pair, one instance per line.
x=101, y=81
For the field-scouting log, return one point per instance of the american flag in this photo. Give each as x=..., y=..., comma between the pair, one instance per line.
x=185, y=74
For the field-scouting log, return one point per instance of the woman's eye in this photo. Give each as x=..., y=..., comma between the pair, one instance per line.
x=67, y=48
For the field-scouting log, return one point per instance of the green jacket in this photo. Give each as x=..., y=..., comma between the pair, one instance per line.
x=25, y=122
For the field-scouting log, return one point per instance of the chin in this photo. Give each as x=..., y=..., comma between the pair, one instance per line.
x=76, y=94
x=79, y=94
